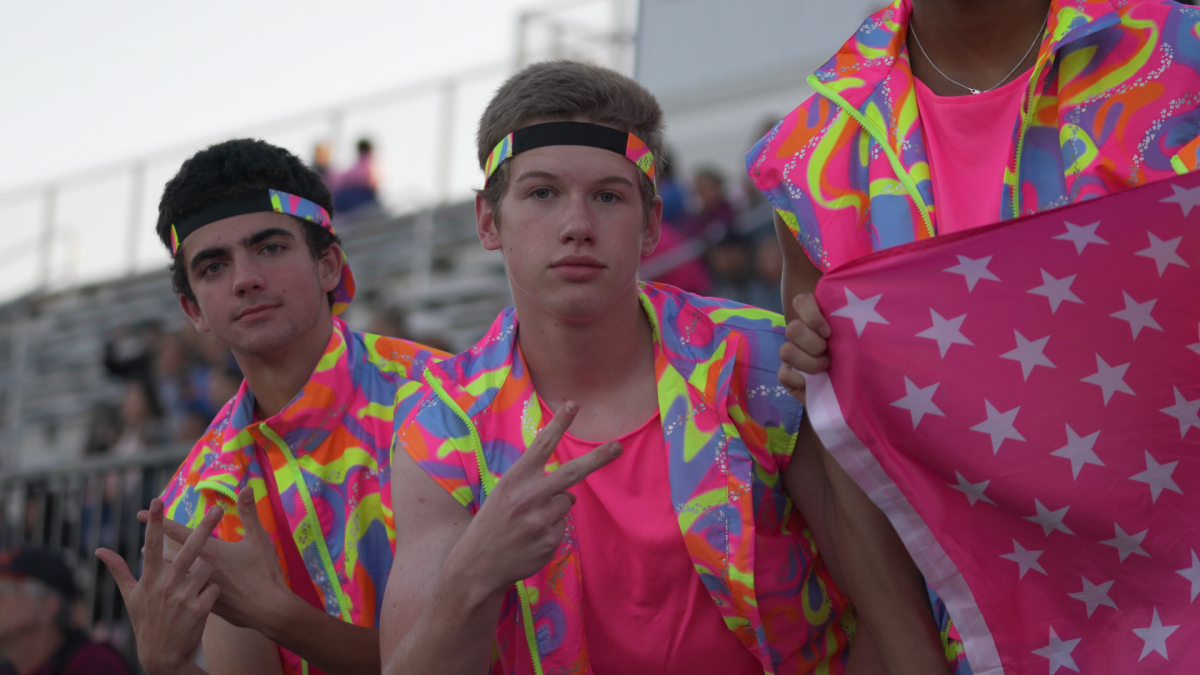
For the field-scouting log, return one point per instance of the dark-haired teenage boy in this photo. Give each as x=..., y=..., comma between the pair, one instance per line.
x=299, y=458
x=676, y=532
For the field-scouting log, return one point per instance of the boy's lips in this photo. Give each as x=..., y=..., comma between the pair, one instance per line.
x=255, y=311
x=578, y=267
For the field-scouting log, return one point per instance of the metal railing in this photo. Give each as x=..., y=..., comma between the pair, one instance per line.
x=438, y=160
x=85, y=505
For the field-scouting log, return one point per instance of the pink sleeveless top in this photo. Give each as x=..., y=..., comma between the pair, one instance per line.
x=967, y=141
x=645, y=609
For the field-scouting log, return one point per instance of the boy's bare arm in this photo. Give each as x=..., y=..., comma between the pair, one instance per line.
x=452, y=570
x=864, y=554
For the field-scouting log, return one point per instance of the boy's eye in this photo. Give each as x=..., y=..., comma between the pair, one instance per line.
x=211, y=268
x=272, y=248
x=542, y=193
x=609, y=197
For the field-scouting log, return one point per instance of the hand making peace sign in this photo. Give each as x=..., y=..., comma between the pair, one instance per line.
x=169, y=605
x=523, y=520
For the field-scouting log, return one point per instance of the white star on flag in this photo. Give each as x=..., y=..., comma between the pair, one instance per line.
x=1110, y=379
x=1094, y=595
x=1026, y=559
x=1137, y=314
x=1192, y=574
x=999, y=425
x=1158, y=477
x=1127, y=544
x=1155, y=637
x=1079, y=450
x=1187, y=412
x=919, y=401
x=1195, y=347
x=973, y=491
x=973, y=270
x=1029, y=354
x=860, y=311
x=1049, y=520
x=1059, y=652
x=1163, y=252
x=1056, y=290
x=946, y=331
x=1186, y=198
x=1081, y=235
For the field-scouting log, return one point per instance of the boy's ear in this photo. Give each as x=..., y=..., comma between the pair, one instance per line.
x=653, y=230
x=192, y=309
x=485, y=223
x=329, y=266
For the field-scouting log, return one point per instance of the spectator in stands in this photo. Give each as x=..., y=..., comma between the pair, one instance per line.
x=320, y=161
x=674, y=197
x=302, y=552
x=764, y=288
x=715, y=217
x=37, y=633
x=354, y=190
x=730, y=261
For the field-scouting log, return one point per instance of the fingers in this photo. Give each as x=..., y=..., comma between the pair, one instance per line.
x=120, y=571
x=208, y=597
x=795, y=357
x=804, y=337
x=154, y=538
x=561, y=503
x=534, y=460
x=248, y=512
x=807, y=310
x=195, y=542
x=199, y=575
x=796, y=385
x=574, y=471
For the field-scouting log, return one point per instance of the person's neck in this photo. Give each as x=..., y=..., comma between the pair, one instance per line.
x=31, y=649
x=975, y=42
x=276, y=378
x=602, y=363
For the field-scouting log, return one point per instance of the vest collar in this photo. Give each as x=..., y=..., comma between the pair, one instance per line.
x=867, y=60
x=303, y=424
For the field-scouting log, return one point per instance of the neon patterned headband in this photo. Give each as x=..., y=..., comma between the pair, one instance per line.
x=274, y=201
x=572, y=133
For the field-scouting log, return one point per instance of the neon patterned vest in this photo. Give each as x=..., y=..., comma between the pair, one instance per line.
x=1113, y=101
x=330, y=457
x=729, y=428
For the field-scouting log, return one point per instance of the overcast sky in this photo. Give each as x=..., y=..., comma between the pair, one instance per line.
x=87, y=83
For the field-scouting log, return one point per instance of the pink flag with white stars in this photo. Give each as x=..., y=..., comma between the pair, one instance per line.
x=1023, y=401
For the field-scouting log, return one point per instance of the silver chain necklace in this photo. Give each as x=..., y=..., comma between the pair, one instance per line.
x=973, y=90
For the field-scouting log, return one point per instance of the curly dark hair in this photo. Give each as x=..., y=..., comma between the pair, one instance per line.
x=237, y=169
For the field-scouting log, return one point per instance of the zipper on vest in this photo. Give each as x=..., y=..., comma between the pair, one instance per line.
x=1026, y=118
x=311, y=518
x=880, y=137
x=488, y=484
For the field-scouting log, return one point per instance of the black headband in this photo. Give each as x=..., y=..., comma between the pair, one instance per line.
x=571, y=133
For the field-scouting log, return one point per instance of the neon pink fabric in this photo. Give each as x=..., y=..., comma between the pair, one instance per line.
x=967, y=139
x=1023, y=401
x=629, y=544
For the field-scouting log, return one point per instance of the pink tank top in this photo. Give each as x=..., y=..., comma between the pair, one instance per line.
x=644, y=607
x=968, y=140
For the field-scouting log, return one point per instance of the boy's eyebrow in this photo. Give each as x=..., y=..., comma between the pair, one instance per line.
x=263, y=235
x=549, y=176
x=222, y=251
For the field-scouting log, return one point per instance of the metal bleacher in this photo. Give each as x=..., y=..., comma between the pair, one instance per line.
x=429, y=263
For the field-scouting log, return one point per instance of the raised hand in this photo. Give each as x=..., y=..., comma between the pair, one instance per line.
x=252, y=584
x=170, y=604
x=523, y=520
x=804, y=352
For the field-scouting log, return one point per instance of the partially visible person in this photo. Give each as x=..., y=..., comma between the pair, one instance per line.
x=715, y=216
x=730, y=260
x=1009, y=108
x=355, y=188
x=764, y=290
x=299, y=458
x=37, y=634
x=321, y=161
